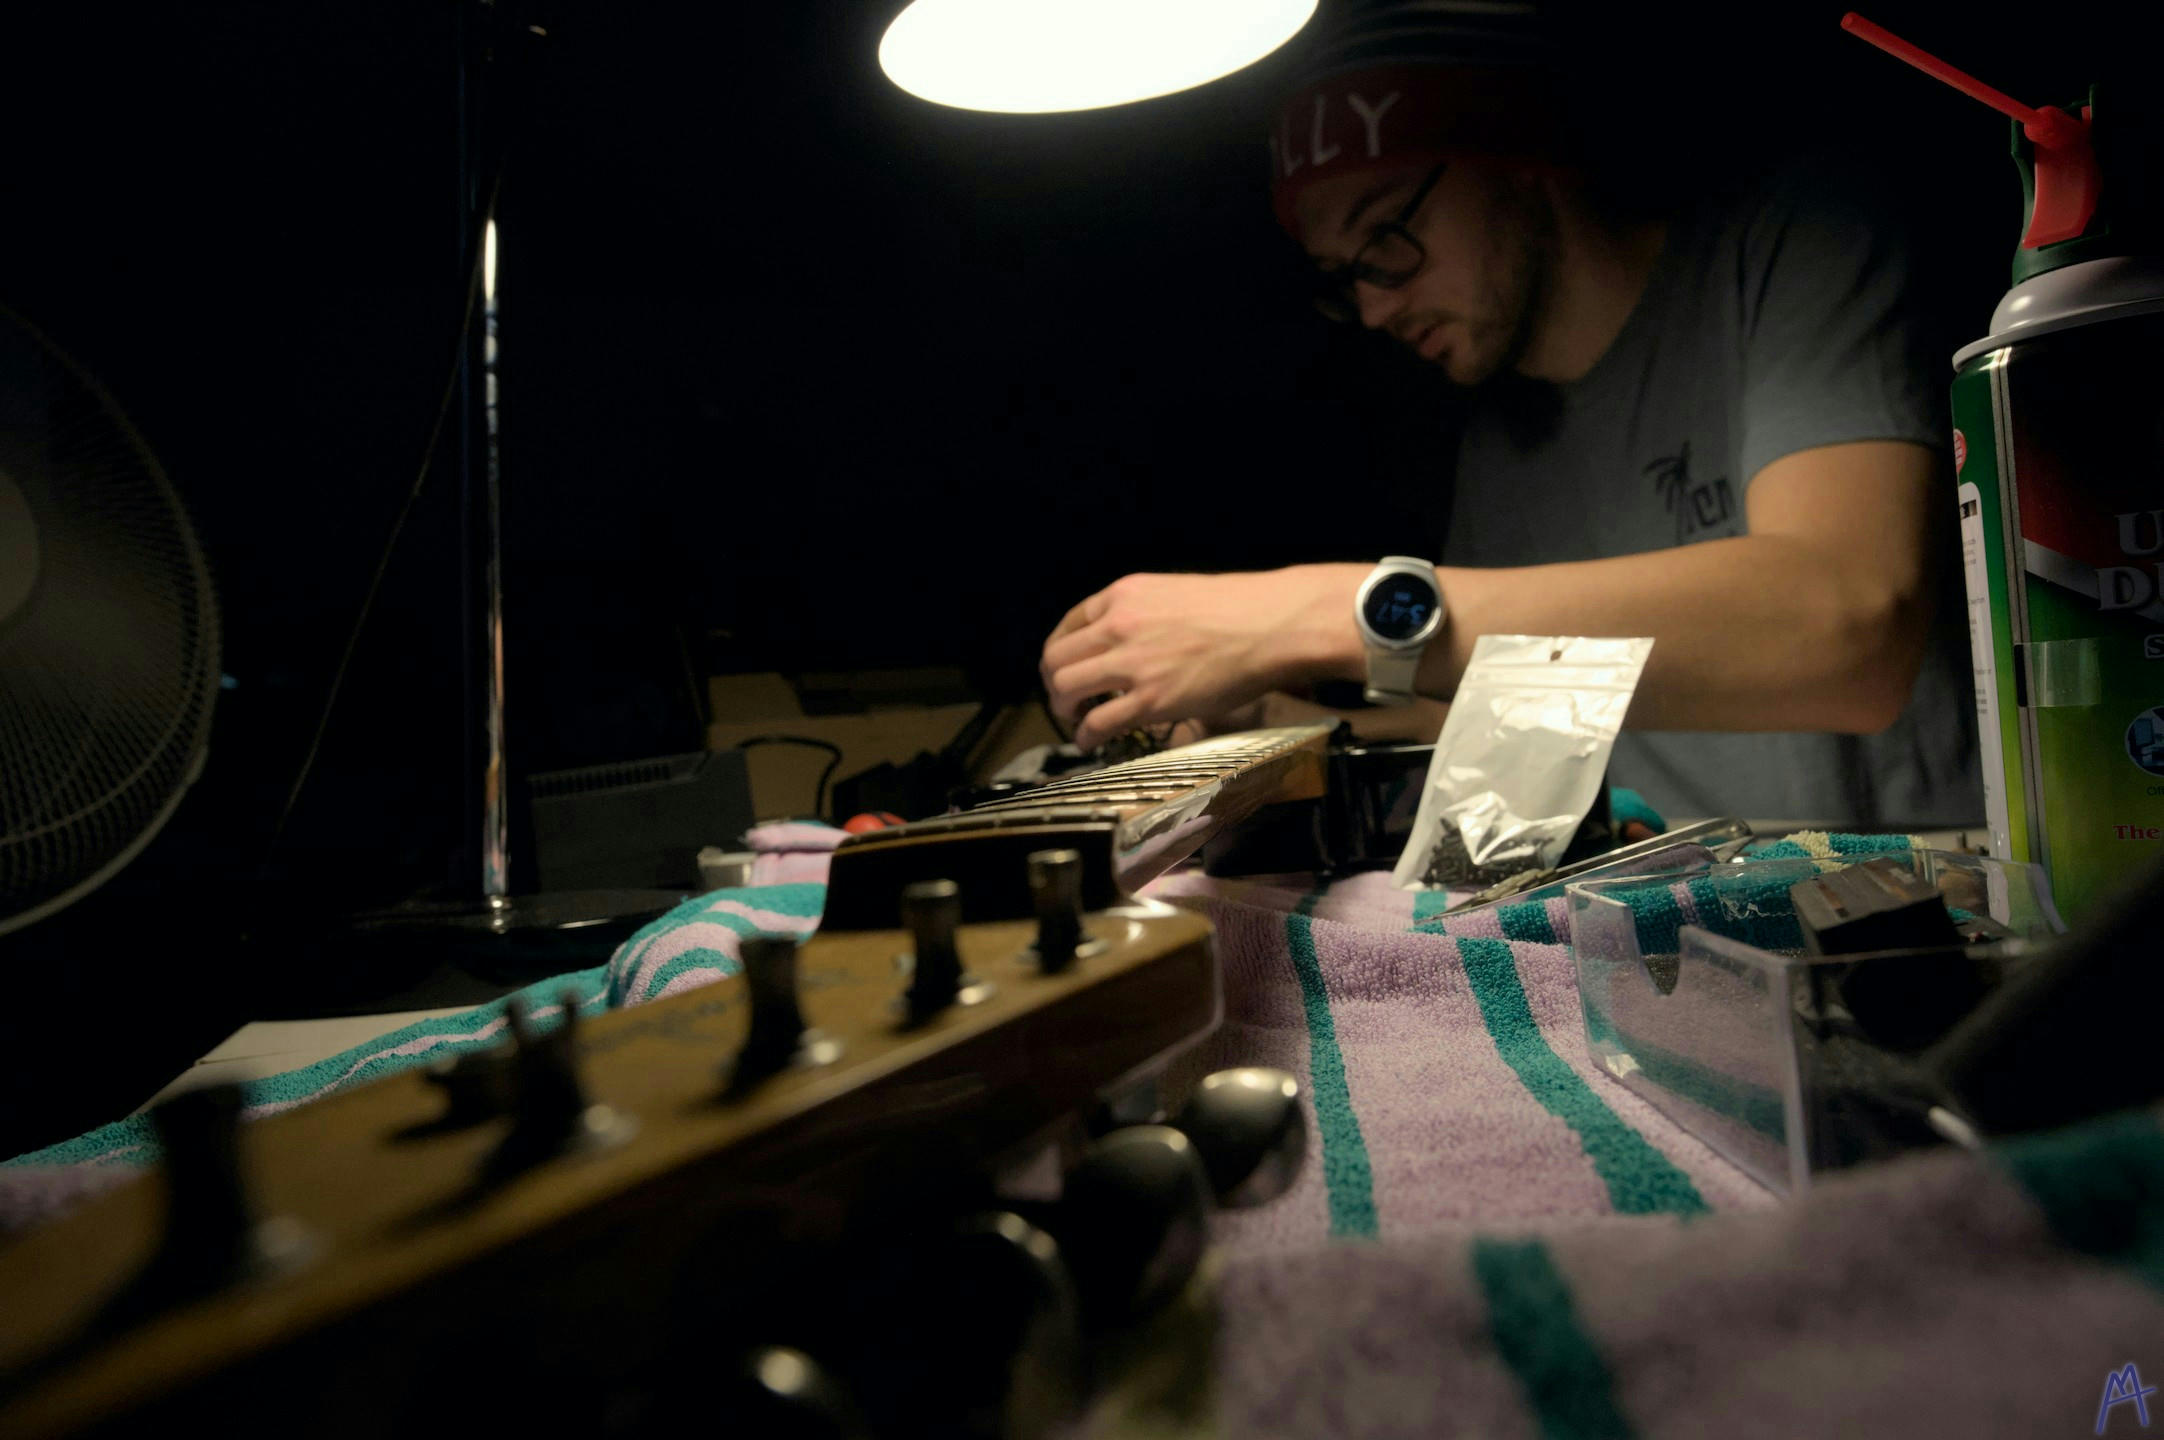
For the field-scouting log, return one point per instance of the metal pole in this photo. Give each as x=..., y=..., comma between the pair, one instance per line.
x=480, y=457
x=495, y=808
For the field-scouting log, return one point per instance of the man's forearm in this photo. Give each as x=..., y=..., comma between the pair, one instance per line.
x=1758, y=632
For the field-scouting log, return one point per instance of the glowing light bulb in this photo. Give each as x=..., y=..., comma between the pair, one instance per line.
x=1037, y=56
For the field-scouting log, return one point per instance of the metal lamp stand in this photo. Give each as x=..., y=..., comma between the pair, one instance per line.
x=480, y=944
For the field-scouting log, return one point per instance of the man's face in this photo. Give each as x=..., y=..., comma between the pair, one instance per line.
x=1473, y=306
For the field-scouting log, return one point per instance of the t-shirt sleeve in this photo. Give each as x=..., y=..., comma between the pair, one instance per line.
x=1835, y=348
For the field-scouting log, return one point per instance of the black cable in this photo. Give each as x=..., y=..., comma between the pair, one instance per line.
x=819, y=792
x=474, y=260
x=956, y=752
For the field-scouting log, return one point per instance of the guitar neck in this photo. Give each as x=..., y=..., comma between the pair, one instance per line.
x=421, y=1248
x=1129, y=822
x=572, y=1205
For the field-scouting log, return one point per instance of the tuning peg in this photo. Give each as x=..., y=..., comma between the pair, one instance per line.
x=550, y=1114
x=785, y=1394
x=1251, y=1131
x=1132, y=1219
x=778, y=1036
x=931, y=912
x=1055, y=885
x=212, y=1237
x=1138, y=1102
x=1009, y=1277
x=476, y=1086
x=970, y=1330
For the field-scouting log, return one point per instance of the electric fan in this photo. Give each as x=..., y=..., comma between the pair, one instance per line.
x=108, y=635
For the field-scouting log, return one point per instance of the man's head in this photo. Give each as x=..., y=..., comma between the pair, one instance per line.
x=1451, y=257
x=1416, y=166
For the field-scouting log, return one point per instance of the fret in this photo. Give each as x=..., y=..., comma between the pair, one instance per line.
x=1096, y=795
x=1130, y=821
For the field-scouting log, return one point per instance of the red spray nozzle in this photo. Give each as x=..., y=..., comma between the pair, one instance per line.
x=2067, y=179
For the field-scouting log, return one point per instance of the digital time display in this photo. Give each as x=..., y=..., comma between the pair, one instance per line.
x=1399, y=606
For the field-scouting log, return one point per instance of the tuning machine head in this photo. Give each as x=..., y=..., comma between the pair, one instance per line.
x=931, y=913
x=212, y=1235
x=551, y=1116
x=784, y=1393
x=477, y=1085
x=1133, y=1219
x=971, y=1328
x=1055, y=888
x=778, y=1037
x=1251, y=1131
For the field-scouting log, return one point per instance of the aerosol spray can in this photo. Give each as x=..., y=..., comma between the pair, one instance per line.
x=2059, y=452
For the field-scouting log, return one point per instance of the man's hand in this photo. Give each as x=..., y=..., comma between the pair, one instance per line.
x=1181, y=647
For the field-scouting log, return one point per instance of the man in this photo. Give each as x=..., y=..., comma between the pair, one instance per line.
x=1734, y=448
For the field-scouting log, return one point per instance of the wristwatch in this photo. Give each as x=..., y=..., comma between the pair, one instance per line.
x=1399, y=610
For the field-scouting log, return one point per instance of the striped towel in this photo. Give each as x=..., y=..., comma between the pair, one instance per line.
x=1945, y=1294
x=1491, y=1238
x=1537, y=1252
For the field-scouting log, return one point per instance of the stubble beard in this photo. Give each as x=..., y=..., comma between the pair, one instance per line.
x=1521, y=264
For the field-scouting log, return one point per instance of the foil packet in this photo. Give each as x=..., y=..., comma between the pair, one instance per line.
x=1521, y=757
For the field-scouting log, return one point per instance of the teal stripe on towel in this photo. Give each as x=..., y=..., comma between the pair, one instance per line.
x=1639, y=1178
x=1537, y=1332
x=1347, y=1176
x=1429, y=905
x=1528, y=922
x=2101, y=1188
x=1846, y=844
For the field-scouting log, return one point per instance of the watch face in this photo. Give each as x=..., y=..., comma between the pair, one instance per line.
x=1399, y=605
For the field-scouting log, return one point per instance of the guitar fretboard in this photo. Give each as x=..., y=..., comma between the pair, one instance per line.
x=1130, y=821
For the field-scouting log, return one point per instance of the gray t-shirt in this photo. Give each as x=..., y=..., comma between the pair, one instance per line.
x=1774, y=321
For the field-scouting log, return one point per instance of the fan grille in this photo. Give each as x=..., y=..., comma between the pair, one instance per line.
x=109, y=663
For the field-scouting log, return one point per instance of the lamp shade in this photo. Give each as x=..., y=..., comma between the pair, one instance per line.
x=1037, y=56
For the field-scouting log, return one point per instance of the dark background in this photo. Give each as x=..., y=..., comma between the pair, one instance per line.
x=799, y=373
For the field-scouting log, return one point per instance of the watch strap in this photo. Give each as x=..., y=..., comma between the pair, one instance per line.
x=1390, y=675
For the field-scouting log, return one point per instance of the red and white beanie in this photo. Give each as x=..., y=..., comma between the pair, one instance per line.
x=1411, y=82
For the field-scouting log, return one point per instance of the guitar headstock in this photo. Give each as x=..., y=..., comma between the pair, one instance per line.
x=350, y=1264
x=1126, y=824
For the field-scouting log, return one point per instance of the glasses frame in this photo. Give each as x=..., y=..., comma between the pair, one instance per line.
x=1334, y=295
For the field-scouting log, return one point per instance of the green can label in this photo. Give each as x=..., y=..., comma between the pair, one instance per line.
x=2059, y=446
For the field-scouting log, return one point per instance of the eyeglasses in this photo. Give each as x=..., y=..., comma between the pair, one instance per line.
x=1390, y=257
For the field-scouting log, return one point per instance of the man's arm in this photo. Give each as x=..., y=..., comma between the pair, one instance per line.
x=1815, y=620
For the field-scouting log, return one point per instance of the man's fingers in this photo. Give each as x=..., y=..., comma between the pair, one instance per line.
x=1186, y=732
x=1116, y=716
x=1062, y=651
x=1080, y=617
x=1073, y=684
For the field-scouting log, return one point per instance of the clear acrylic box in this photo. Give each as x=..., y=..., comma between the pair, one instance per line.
x=1698, y=996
